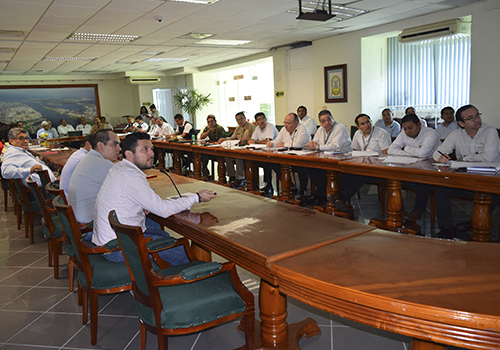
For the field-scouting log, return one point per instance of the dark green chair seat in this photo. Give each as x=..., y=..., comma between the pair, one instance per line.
x=29, y=206
x=106, y=274
x=58, y=231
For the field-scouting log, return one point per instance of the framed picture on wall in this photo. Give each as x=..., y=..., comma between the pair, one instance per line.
x=336, y=83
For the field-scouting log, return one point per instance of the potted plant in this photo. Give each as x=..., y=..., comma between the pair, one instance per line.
x=191, y=101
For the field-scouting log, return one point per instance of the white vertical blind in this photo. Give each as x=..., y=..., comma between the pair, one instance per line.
x=428, y=73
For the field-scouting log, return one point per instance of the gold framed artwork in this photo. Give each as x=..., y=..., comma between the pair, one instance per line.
x=336, y=83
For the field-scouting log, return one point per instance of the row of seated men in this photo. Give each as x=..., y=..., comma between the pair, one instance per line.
x=96, y=182
x=470, y=141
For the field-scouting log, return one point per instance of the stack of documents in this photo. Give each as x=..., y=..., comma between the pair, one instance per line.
x=477, y=167
x=400, y=160
x=364, y=154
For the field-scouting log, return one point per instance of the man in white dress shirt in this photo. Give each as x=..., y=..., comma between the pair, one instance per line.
x=18, y=162
x=64, y=128
x=126, y=191
x=263, y=133
x=331, y=136
x=309, y=122
x=388, y=124
x=473, y=142
x=449, y=124
x=160, y=128
x=140, y=125
x=416, y=141
x=84, y=127
x=46, y=130
x=366, y=138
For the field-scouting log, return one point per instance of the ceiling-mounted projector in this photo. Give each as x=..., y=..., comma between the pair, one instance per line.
x=317, y=14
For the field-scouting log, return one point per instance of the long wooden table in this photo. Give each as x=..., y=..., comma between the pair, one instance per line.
x=439, y=292
x=56, y=159
x=422, y=172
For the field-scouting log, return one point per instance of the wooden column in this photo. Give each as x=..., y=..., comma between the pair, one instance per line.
x=332, y=188
x=177, y=162
x=201, y=253
x=273, y=327
x=161, y=158
x=394, y=204
x=221, y=170
x=481, y=217
x=251, y=176
x=286, y=182
x=417, y=344
x=197, y=166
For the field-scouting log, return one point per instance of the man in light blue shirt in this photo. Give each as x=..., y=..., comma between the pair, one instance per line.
x=449, y=124
x=388, y=124
x=45, y=129
x=72, y=162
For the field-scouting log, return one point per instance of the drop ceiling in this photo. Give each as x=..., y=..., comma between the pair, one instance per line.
x=45, y=26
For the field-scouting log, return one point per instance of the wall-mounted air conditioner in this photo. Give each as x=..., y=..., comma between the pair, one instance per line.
x=435, y=30
x=136, y=80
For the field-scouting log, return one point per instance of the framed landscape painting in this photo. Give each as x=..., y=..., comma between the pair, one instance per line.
x=336, y=83
x=33, y=104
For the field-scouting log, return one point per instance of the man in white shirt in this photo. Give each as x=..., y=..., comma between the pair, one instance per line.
x=416, y=141
x=18, y=162
x=331, y=136
x=140, y=125
x=263, y=133
x=72, y=162
x=473, y=142
x=388, y=124
x=160, y=128
x=84, y=127
x=90, y=173
x=449, y=124
x=126, y=191
x=366, y=138
x=44, y=132
x=64, y=128
x=309, y=122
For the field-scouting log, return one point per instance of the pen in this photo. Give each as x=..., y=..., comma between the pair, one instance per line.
x=445, y=155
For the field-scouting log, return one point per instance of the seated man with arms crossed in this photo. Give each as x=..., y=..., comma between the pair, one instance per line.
x=331, y=136
x=473, y=142
x=388, y=124
x=84, y=127
x=416, y=141
x=64, y=128
x=18, y=162
x=263, y=133
x=367, y=138
x=213, y=132
x=126, y=191
x=243, y=132
x=90, y=173
x=293, y=135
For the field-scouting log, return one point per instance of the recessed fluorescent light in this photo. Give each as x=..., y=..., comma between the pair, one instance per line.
x=150, y=53
x=197, y=36
x=69, y=58
x=7, y=50
x=223, y=42
x=153, y=59
x=203, y=2
x=11, y=34
x=13, y=72
x=102, y=37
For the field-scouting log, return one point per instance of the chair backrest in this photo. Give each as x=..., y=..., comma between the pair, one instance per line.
x=45, y=179
x=37, y=193
x=5, y=182
x=15, y=194
x=53, y=190
x=69, y=224
x=22, y=194
x=133, y=245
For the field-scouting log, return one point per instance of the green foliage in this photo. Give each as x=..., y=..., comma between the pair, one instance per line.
x=191, y=101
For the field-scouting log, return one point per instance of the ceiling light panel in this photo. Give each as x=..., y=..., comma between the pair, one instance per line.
x=11, y=34
x=223, y=42
x=102, y=37
x=159, y=59
x=203, y=2
x=69, y=58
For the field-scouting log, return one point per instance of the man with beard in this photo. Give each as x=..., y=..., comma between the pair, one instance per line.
x=126, y=191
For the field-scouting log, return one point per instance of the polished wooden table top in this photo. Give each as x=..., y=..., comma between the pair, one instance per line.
x=254, y=231
x=439, y=290
x=56, y=158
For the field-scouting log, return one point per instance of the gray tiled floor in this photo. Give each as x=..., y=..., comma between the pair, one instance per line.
x=38, y=312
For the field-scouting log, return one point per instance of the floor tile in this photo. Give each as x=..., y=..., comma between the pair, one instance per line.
x=36, y=299
x=12, y=322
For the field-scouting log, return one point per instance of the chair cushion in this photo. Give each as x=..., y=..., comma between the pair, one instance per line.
x=57, y=228
x=106, y=274
x=196, y=303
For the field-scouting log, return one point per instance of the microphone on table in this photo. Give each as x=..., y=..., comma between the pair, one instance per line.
x=173, y=183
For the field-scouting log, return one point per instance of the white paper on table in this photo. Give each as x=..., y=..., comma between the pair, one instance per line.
x=299, y=152
x=256, y=145
x=229, y=143
x=38, y=148
x=364, y=154
x=213, y=145
x=476, y=166
x=401, y=160
x=121, y=134
x=60, y=149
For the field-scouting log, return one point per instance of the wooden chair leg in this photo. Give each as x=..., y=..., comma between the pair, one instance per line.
x=249, y=327
x=70, y=274
x=93, y=318
x=49, y=247
x=85, y=303
x=56, y=251
x=32, y=229
x=162, y=341
x=17, y=210
x=143, y=333
x=5, y=197
x=26, y=225
x=80, y=295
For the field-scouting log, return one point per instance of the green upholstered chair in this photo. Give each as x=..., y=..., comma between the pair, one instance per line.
x=99, y=276
x=16, y=197
x=5, y=189
x=186, y=298
x=29, y=207
x=52, y=229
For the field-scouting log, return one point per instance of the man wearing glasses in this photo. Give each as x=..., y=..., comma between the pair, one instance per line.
x=18, y=163
x=473, y=142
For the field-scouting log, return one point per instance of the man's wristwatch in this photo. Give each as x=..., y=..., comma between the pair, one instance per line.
x=199, y=197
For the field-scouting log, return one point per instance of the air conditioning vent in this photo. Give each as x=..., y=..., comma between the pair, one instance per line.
x=135, y=80
x=435, y=30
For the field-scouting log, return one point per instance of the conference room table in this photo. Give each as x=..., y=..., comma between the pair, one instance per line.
x=421, y=172
x=55, y=155
x=437, y=291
